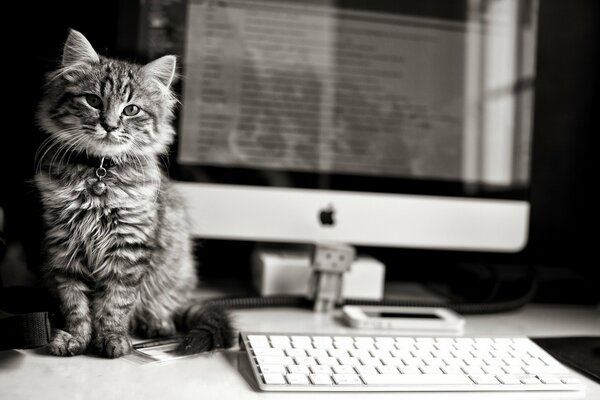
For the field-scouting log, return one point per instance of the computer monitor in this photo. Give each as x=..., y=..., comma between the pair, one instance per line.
x=380, y=123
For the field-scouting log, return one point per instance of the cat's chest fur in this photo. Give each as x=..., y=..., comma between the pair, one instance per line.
x=93, y=226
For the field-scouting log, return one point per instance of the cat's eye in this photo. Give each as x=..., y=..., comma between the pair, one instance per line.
x=93, y=101
x=131, y=110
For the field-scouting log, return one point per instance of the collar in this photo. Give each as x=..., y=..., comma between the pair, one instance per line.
x=92, y=161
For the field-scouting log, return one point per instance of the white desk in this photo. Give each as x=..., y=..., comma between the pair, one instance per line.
x=32, y=374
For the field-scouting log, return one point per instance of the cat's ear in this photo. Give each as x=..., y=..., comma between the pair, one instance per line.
x=77, y=50
x=162, y=69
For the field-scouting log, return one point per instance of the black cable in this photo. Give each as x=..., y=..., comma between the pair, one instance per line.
x=303, y=302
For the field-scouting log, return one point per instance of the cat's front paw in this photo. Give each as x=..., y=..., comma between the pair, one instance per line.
x=65, y=344
x=113, y=345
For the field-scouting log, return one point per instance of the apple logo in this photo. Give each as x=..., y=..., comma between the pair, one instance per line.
x=326, y=216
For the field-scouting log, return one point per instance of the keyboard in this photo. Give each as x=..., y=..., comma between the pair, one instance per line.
x=306, y=362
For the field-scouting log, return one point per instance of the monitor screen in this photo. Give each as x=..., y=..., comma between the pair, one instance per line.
x=390, y=101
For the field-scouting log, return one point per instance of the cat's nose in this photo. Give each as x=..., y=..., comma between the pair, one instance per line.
x=108, y=127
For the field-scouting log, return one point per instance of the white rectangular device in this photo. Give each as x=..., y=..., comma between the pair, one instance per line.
x=389, y=363
x=432, y=320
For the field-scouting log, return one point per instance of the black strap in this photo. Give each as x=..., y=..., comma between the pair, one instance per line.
x=24, y=317
x=24, y=331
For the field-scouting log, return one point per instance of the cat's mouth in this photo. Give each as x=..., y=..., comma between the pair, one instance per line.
x=110, y=138
x=110, y=145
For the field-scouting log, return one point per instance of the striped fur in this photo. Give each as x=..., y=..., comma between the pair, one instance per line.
x=120, y=260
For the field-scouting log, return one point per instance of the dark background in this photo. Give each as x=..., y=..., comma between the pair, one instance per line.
x=563, y=220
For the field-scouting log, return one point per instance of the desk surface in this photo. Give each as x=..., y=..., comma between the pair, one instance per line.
x=33, y=374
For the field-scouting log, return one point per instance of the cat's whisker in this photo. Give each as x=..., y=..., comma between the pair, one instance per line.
x=155, y=179
x=50, y=144
x=45, y=142
x=57, y=156
x=141, y=170
x=74, y=147
x=47, y=145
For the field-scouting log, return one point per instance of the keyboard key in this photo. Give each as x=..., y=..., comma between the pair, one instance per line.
x=274, y=360
x=257, y=341
x=344, y=345
x=350, y=361
x=274, y=379
x=272, y=369
x=455, y=362
x=395, y=379
x=297, y=379
x=414, y=361
x=366, y=370
x=337, y=353
x=473, y=370
x=384, y=345
x=409, y=370
x=302, y=345
x=301, y=339
x=400, y=353
x=435, y=362
x=295, y=352
x=323, y=345
x=513, y=369
x=343, y=339
x=380, y=353
x=268, y=352
x=431, y=370
x=493, y=370
x=388, y=369
x=474, y=362
x=571, y=381
x=545, y=370
x=516, y=362
x=327, y=361
x=347, y=379
x=317, y=353
x=343, y=369
x=493, y=361
x=359, y=353
x=508, y=379
x=320, y=379
x=280, y=342
x=404, y=342
x=298, y=369
x=452, y=370
x=370, y=361
x=549, y=379
x=364, y=341
x=428, y=341
x=305, y=361
x=530, y=380
x=396, y=362
x=320, y=369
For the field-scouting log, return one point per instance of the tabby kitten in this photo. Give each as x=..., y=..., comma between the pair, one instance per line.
x=118, y=250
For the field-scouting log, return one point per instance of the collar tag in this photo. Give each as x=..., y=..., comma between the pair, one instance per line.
x=99, y=187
